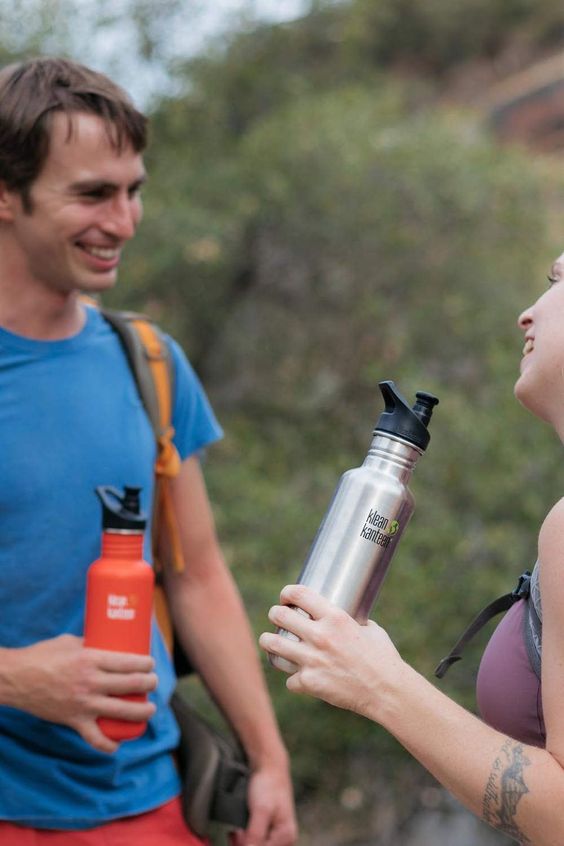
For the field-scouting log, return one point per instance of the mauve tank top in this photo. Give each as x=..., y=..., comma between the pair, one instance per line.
x=507, y=689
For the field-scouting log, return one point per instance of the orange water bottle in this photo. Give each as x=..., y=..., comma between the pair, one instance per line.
x=119, y=592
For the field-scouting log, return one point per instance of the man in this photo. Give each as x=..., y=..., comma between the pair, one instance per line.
x=71, y=171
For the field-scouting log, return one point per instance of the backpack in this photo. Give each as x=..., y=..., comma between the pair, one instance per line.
x=213, y=768
x=527, y=588
x=149, y=359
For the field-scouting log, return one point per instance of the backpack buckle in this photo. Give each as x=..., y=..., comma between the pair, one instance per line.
x=523, y=588
x=154, y=350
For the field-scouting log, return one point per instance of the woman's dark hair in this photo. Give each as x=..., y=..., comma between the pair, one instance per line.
x=31, y=92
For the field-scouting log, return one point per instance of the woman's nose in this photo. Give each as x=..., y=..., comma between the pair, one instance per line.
x=525, y=318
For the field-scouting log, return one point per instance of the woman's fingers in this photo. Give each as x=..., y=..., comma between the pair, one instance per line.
x=307, y=599
x=282, y=646
x=305, y=615
x=290, y=618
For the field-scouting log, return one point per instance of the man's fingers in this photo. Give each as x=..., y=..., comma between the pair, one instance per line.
x=91, y=733
x=114, y=708
x=122, y=662
x=257, y=828
x=118, y=684
x=117, y=708
x=284, y=834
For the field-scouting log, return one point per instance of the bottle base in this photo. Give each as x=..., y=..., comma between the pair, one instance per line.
x=277, y=661
x=121, y=730
x=282, y=664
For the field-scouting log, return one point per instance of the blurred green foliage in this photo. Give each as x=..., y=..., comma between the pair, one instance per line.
x=344, y=238
x=315, y=223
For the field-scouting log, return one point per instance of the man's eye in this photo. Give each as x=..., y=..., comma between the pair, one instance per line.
x=95, y=194
x=552, y=280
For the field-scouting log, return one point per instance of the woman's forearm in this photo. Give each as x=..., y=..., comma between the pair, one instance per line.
x=516, y=788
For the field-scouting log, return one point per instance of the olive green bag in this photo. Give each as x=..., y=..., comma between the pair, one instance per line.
x=213, y=769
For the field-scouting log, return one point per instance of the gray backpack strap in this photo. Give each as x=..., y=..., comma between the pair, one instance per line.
x=502, y=603
x=136, y=354
x=532, y=623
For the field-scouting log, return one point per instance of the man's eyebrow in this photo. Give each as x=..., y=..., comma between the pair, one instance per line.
x=86, y=185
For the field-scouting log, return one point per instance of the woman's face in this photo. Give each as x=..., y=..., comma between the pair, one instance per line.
x=540, y=387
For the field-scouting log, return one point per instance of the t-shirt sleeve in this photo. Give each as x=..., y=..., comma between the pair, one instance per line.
x=195, y=424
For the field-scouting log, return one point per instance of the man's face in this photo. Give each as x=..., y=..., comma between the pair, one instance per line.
x=85, y=205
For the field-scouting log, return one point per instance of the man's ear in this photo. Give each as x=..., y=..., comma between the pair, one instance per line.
x=7, y=199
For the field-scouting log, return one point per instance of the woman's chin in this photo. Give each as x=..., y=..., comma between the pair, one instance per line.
x=525, y=395
x=531, y=400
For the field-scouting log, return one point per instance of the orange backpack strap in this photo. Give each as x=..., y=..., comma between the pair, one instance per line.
x=166, y=540
x=149, y=358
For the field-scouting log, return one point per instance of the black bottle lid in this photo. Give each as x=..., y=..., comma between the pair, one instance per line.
x=402, y=420
x=121, y=511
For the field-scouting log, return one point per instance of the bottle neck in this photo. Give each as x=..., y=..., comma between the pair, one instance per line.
x=118, y=543
x=392, y=455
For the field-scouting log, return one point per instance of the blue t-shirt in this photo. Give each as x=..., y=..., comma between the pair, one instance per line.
x=71, y=419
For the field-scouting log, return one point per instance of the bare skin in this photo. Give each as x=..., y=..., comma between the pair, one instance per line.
x=358, y=668
x=505, y=788
x=86, y=206
x=61, y=681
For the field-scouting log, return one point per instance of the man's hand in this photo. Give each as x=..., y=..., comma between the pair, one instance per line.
x=272, y=819
x=61, y=681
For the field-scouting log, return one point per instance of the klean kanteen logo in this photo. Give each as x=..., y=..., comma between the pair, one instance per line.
x=121, y=607
x=379, y=529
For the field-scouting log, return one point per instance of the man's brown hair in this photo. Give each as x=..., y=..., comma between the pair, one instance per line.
x=32, y=91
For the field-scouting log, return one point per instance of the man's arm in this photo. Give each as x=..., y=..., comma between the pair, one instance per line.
x=61, y=681
x=212, y=627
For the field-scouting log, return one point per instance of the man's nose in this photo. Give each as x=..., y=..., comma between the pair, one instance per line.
x=122, y=218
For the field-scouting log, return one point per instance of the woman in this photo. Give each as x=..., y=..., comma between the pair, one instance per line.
x=511, y=776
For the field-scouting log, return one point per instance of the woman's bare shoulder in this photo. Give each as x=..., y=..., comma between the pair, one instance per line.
x=551, y=543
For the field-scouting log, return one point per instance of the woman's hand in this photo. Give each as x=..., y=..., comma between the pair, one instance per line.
x=348, y=665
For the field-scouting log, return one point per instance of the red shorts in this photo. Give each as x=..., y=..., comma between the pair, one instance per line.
x=163, y=827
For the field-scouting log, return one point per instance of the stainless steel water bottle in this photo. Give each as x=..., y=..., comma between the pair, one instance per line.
x=370, y=509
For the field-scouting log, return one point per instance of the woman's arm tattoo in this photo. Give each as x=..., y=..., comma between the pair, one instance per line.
x=505, y=787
